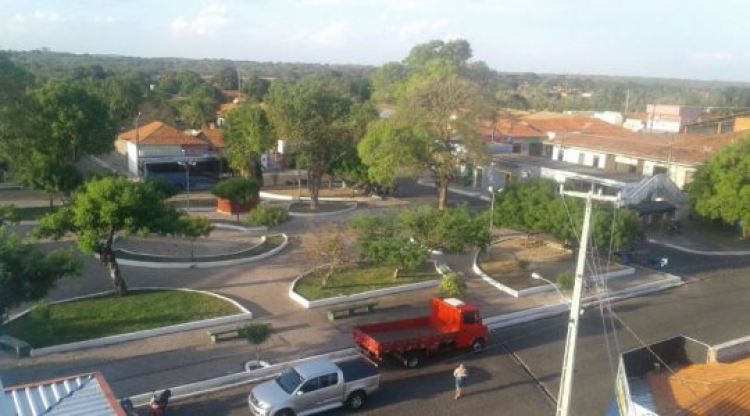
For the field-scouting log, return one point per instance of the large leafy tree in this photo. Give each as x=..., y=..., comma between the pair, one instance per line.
x=227, y=78
x=721, y=188
x=28, y=274
x=437, y=110
x=102, y=208
x=13, y=108
x=315, y=115
x=248, y=135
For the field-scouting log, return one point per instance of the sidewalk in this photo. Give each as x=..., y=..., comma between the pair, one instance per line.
x=698, y=237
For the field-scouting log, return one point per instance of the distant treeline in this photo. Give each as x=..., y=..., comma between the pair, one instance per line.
x=527, y=91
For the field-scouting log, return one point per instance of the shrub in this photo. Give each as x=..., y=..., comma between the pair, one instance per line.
x=265, y=216
x=237, y=190
x=255, y=334
x=167, y=189
x=565, y=280
x=522, y=264
x=452, y=286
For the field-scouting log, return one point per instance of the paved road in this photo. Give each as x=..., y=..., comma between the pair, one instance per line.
x=711, y=310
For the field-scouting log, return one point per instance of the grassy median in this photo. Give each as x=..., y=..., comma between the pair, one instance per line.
x=103, y=316
x=358, y=279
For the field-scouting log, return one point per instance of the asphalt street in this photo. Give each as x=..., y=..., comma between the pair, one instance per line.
x=711, y=310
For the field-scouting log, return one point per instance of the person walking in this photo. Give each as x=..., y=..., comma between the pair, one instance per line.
x=460, y=374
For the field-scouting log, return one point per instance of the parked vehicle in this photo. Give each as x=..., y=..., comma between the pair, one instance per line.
x=451, y=324
x=314, y=387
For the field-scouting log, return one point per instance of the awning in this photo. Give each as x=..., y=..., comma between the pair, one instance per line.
x=652, y=207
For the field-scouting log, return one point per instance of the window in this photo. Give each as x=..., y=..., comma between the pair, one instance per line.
x=659, y=169
x=311, y=385
x=595, y=161
x=560, y=155
x=329, y=380
x=471, y=318
x=581, y=158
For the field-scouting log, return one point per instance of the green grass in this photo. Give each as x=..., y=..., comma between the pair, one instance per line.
x=360, y=279
x=104, y=316
x=304, y=207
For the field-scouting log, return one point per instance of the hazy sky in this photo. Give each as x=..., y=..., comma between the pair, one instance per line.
x=664, y=38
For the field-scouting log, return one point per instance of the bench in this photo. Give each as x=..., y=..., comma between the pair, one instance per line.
x=351, y=310
x=21, y=348
x=223, y=334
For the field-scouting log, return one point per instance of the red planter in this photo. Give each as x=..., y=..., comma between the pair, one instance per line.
x=224, y=206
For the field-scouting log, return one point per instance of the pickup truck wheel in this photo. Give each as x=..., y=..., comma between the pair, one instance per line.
x=356, y=400
x=412, y=361
x=477, y=345
x=285, y=412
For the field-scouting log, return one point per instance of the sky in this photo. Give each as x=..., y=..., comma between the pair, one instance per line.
x=694, y=39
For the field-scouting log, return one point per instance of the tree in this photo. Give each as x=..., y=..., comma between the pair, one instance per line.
x=28, y=274
x=227, y=78
x=239, y=191
x=103, y=208
x=256, y=88
x=315, y=116
x=452, y=286
x=721, y=188
x=331, y=245
x=450, y=230
x=63, y=122
x=255, y=334
x=437, y=111
x=248, y=135
x=199, y=107
x=193, y=228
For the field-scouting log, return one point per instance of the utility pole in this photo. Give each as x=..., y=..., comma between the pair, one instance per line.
x=627, y=101
x=569, y=359
x=137, y=147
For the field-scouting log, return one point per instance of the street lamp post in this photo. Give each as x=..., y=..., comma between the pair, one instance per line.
x=186, y=164
x=537, y=276
x=492, y=209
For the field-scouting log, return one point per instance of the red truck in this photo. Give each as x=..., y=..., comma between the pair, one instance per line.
x=451, y=323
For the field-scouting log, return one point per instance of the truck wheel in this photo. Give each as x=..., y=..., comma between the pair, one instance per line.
x=412, y=361
x=356, y=400
x=477, y=345
x=285, y=412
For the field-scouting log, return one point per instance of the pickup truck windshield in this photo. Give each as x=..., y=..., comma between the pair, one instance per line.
x=289, y=380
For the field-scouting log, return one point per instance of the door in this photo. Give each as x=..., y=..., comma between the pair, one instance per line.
x=308, y=395
x=318, y=392
x=330, y=391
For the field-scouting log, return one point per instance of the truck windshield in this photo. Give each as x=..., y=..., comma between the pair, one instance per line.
x=289, y=380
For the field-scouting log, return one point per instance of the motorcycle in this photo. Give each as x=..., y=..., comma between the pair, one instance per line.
x=158, y=404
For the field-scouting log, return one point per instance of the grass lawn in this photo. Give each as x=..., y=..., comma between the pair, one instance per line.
x=100, y=317
x=359, y=279
x=327, y=206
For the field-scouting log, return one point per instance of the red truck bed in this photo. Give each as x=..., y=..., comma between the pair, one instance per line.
x=401, y=336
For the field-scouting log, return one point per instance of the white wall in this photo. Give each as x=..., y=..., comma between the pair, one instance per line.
x=132, y=159
x=573, y=156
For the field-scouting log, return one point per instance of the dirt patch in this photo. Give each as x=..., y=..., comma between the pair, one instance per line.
x=324, y=192
x=511, y=262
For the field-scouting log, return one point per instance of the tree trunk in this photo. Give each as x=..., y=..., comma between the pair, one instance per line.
x=442, y=192
x=109, y=259
x=313, y=186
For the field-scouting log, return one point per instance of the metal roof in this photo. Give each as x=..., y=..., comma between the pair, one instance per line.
x=85, y=394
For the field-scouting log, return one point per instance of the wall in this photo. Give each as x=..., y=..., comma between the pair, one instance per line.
x=132, y=159
x=121, y=146
x=573, y=156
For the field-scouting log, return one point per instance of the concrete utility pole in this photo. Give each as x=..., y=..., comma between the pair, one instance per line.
x=569, y=359
x=137, y=146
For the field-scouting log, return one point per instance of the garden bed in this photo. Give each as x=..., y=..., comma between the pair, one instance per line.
x=270, y=243
x=323, y=207
x=108, y=315
x=358, y=279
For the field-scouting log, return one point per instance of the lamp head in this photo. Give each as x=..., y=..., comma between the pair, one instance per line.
x=536, y=276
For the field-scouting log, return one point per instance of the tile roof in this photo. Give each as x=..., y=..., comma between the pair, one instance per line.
x=215, y=137
x=704, y=389
x=225, y=108
x=157, y=133
x=84, y=394
x=540, y=125
x=685, y=149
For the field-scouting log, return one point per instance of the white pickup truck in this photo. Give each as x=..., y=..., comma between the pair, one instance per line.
x=314, y=387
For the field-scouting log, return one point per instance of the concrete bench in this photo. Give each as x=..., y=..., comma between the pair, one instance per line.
x=223, y=334
x=351, y=310
x=21, y=348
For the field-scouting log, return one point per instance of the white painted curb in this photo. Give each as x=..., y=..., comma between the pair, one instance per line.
x=203, y=264
x=244, y=315
x=323, y=214
x=701, y=252
x=245, y=377
x=628, y=271
x=371, y=294
x=270, y=196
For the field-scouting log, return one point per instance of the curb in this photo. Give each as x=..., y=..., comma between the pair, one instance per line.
x=244, y=315
x=238, y=379
x=535, y=289
x=270, y=196
x=203, y=264
x=700, y=252
x=323, y=214
x=371, y=294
